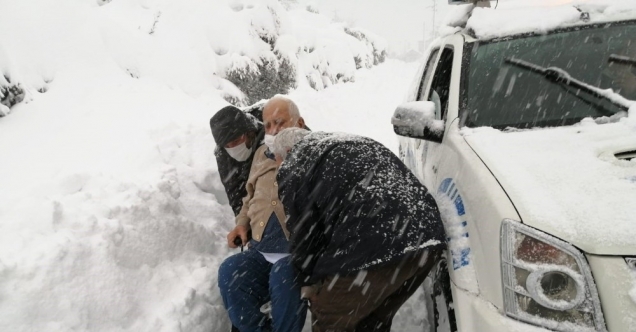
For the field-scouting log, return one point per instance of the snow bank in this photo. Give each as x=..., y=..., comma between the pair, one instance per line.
x=328, y=52
x=246, y=50
x=267, y=49
x=113, y=217
x=404, y=24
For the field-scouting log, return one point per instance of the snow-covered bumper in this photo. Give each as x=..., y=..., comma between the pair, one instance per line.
x=616, y=283
x=473, y=313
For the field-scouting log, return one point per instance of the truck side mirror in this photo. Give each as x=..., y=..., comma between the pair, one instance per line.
x=417, y=120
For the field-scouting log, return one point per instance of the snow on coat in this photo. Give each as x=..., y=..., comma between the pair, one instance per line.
x=353, y=205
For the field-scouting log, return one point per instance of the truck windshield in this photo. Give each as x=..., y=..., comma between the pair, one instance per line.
x=511, y=83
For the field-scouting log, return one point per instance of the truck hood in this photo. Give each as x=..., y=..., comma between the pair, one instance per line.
x=576, y=183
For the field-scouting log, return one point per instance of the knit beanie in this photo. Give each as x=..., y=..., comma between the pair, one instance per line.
x=230, y=123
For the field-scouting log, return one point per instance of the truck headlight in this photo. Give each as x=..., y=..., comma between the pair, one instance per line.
x=546, y=281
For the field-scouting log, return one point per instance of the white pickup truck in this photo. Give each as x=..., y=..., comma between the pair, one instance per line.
x=528, y=139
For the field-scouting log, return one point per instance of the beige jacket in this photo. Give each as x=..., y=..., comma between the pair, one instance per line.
x=262, y=196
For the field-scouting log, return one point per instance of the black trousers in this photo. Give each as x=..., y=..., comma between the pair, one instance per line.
x=369, y=300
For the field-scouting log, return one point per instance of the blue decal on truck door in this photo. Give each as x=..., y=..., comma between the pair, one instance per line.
x=456, y=228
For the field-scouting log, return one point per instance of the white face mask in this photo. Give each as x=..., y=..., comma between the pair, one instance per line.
x=239, y=152
x=269, y=141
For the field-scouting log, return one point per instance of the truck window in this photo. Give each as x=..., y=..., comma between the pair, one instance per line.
x=428, y=72
x=501, y=93
x=440, y=88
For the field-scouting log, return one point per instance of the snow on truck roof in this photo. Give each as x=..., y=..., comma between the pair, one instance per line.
x=513, y=17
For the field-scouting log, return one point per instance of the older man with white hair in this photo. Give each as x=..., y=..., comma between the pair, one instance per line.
x=263, y=273
x=364, y=232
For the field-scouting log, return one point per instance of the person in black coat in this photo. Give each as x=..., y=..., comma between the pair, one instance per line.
x=242, y=132
x=229, y=125
x=364, y=232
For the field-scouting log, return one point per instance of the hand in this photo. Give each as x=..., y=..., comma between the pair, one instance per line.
x=237, y=232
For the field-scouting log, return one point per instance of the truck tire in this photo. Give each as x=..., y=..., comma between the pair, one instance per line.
x=437, y=288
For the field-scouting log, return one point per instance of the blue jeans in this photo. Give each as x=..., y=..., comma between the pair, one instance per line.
x=247, y=281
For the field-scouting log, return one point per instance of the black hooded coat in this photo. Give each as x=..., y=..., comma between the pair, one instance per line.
x=234, y=173
x=353, y=205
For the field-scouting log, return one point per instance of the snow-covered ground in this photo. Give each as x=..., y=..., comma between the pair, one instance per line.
x=113, y=217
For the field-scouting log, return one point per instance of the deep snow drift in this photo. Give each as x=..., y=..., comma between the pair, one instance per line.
x=114, y=221
x=113, y=215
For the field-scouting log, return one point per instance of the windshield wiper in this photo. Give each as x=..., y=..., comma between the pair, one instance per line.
x=562, y=77
x=622, y=59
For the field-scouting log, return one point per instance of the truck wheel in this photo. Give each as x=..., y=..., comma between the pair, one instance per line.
x=441, y=311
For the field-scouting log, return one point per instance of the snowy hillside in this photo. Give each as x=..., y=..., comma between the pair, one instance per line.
x=243, y=50
x=113, y=217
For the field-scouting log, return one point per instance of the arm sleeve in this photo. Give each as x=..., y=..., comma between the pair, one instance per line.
x=241, y=218
x=307, y=230
x=306, y=243
x=233, y=177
